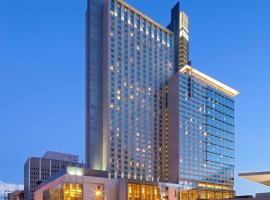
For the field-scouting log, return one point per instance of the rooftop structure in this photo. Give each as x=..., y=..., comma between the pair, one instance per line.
x=61, y=156
x=215, y=83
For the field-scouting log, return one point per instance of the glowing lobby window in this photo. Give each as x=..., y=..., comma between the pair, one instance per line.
x=72, y=191
x=55, y=193
x=66, y=191
x=196, y=194
x=143, y=192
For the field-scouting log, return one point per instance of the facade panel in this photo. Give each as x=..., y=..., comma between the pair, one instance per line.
x=94, y=84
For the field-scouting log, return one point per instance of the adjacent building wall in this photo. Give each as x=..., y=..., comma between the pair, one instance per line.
x=94, y=85
x=173, y=130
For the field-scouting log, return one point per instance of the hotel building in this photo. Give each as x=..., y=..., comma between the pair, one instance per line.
x=150, y=116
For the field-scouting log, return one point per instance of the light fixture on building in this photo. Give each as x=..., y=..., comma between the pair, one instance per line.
x=98, y=192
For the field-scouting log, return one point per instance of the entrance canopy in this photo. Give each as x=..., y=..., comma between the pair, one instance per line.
x=258, y=177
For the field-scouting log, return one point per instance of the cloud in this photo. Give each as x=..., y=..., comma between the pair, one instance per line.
x=8, y=187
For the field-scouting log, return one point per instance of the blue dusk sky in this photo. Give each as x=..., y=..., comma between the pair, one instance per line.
x=42, y=75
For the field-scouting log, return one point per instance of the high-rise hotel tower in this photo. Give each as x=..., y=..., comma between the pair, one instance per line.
x=130, y=57
x=143, y=112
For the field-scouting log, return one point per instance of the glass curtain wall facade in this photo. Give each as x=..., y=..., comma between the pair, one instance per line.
x=201, y=133
x=143, y=192
x=206, y=132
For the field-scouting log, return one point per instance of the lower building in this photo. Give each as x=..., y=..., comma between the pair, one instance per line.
x=83, y=184
x=16, y=195
x=38, y=170
x=78, y=184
